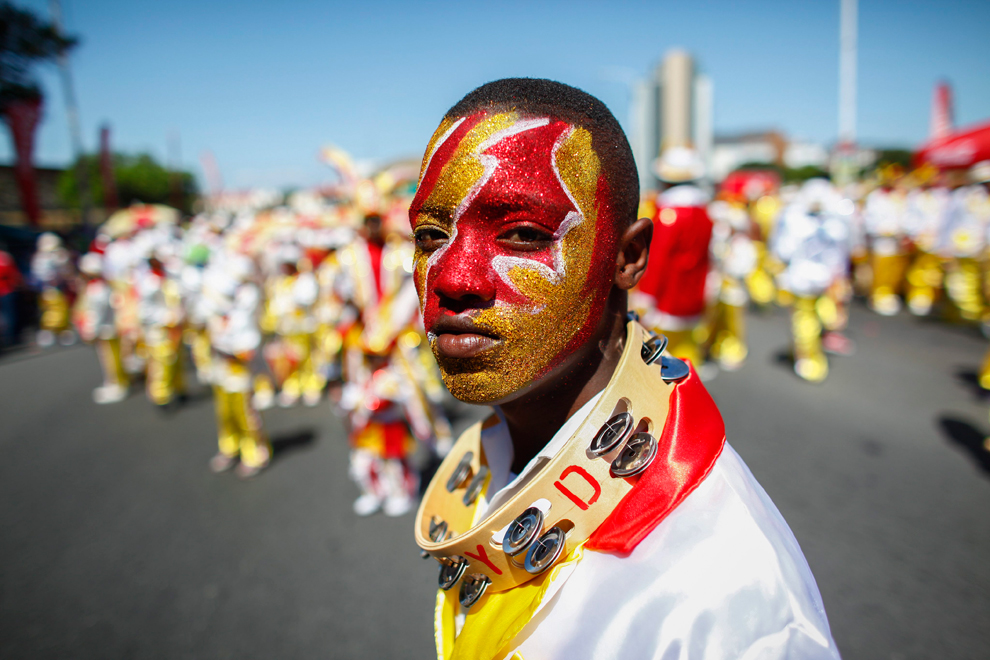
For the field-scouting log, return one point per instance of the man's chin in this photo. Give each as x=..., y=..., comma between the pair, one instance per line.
x=479, y=384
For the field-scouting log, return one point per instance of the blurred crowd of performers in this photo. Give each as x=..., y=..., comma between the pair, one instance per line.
x=309, y=297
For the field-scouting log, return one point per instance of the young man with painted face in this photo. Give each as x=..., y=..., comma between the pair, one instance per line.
x=598, y=513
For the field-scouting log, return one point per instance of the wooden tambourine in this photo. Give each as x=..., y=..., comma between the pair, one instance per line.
x=566, y=499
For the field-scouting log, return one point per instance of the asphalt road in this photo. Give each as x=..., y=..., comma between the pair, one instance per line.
x=117, y=542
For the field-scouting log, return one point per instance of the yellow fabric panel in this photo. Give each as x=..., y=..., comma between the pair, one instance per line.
x=489, y=628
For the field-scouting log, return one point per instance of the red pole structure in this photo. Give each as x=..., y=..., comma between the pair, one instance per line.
x=110, y=200
x=22, y=117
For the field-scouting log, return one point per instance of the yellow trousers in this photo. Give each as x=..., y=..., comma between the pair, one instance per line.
x=304, y=379
x=888, y=277
x=760, y=283
x=108, y=351
x=165, y=381
x=54, y=310
x=326, y=349
x=924, y=282
x=963, y=285
x=683, y=344
x=729, y=345
x=239, y=428
x=198, y=340
x=810, y=361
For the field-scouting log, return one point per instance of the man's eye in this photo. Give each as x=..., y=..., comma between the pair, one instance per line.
x=526, y=239
x=429, y=239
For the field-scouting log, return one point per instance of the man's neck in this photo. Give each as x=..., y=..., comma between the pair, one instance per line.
x=535, y=418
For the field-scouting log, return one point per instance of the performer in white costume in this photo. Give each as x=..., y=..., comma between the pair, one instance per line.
x=812, y=240
x=52, y=270
x=884, y=214
x=229, y=286
x=962, y=244
x=926, y=207
x=598, y=513
x=94, y=318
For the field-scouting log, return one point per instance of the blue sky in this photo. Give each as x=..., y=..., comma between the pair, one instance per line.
x=263, y=84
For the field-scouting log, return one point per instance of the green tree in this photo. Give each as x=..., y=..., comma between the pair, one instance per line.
x=140, y=179
x=25, y=40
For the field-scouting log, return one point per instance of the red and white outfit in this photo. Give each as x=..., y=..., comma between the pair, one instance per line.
x=695, y=562
x=678, y=268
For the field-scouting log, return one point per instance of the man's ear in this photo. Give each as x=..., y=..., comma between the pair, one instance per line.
x=634, y=252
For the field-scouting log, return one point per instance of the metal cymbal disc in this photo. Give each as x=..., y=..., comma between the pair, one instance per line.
x=545, y=551
x=611, y=434
x=438, y=530
x=474, y=488
x=653, y=348
x=460, y=473
x=451, y=570
x=636, y=456
x=673, y=369
x=522, y=531
x=473, y=587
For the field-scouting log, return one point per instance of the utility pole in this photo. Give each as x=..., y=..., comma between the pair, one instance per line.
x=72, y=112
x=844, y=160
x=847, y=71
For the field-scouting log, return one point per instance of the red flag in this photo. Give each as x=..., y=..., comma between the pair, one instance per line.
x=22, y=117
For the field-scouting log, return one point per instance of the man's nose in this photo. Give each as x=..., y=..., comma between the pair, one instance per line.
x=465, y=273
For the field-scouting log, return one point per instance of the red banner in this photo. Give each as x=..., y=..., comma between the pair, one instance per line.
x=22, y=118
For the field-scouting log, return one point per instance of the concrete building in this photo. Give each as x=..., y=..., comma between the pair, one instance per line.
x=671, y=108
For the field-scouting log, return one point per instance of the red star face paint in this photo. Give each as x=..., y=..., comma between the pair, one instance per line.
x=515, y=249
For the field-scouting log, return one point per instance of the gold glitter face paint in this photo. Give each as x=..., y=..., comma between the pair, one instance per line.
x=514, y=259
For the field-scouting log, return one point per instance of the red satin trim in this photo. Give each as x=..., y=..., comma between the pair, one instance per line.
x=692, y=440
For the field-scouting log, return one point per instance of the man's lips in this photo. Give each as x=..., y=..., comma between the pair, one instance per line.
x=460, y=337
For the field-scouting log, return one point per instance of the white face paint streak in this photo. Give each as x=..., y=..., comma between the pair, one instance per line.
x=437, y=146
x=573, y=219
x=489, y=163
x=503, y=264
x=532, y=309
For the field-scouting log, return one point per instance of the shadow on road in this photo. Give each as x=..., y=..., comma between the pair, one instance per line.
x=967, y=436
x=197, y=395
x=287, y=442
x=970, y=378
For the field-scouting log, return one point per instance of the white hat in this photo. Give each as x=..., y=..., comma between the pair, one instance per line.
x=819, y=192
x=91, y=263
x=679, y=165
x=48, y=242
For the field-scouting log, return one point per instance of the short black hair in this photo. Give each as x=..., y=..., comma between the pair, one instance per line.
x=537, y=96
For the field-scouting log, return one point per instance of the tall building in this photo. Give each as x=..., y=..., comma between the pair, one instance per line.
x=672, y=108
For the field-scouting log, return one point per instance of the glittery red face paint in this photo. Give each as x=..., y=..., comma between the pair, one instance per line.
x=515, y=249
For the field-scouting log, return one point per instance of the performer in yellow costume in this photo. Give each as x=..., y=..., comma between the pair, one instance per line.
x=812, y=241
x=293, y=294
x=735, y=256
x=52, y=269
x=884, y=215
x=760, y=282
x=235, y=337
x=963, y=243
x=161, y=313
x=94, y=317
x=926, y=209
x=563, y=527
